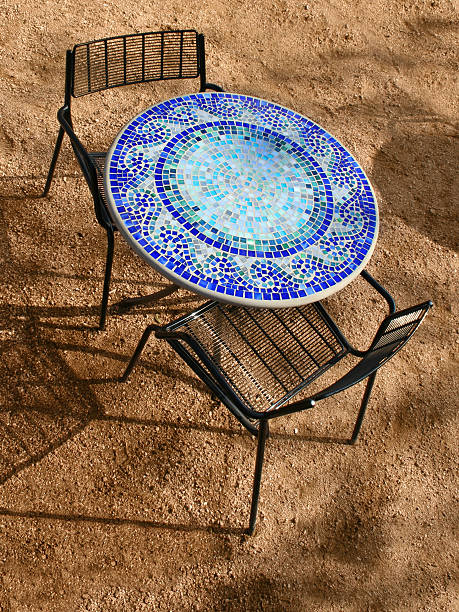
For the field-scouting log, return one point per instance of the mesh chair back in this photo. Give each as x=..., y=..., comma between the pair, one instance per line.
x=393, y=333
x=135, y=58
x=396, y=329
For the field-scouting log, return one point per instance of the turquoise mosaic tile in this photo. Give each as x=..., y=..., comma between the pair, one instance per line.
x=241, y=199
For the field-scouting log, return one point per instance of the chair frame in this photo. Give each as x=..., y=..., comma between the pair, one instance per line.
x=92, y=163
x=256, y=422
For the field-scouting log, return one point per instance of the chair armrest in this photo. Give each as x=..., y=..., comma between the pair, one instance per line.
x=66, y=124
x=392, y=309
x=299, y=406
x=88, y=168
x=380, y=289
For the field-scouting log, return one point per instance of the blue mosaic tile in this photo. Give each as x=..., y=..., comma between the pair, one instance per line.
x=241, y=199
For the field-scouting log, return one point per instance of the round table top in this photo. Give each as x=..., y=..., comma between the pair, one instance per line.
x=241, y=200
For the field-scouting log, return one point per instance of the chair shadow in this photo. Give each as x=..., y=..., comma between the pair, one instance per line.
x=24, y=179
x=118, y=521
x=31, y=432
x=46, y=404
x=42, y=314
x=35, y=424
x=220, y=430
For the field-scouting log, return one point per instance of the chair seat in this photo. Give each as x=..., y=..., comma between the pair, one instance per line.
x=266, y=356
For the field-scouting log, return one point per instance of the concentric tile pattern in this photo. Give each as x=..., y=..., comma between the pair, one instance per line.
x=241, y=199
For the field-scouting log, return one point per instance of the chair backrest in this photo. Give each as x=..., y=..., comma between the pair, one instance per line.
x=396, y=329
x=393, y=333
x=136, y=58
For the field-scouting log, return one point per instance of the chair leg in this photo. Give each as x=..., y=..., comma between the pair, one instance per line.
x=140, y=346
x=363, y=407
x=52, y=167
x=263, y=432
x=107, y=278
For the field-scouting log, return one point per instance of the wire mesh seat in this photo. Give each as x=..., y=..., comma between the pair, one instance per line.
x=256, y=360
x=112, y=62
x=266, y=356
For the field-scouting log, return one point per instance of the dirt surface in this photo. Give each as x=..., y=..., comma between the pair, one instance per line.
x=133, y=497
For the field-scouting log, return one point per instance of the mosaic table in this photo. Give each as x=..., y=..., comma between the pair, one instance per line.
x=241, y=200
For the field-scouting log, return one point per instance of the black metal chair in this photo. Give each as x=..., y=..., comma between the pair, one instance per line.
x=113, y=62
x=256, y=360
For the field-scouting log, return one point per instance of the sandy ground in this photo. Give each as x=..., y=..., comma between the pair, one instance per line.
x=134, y=497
